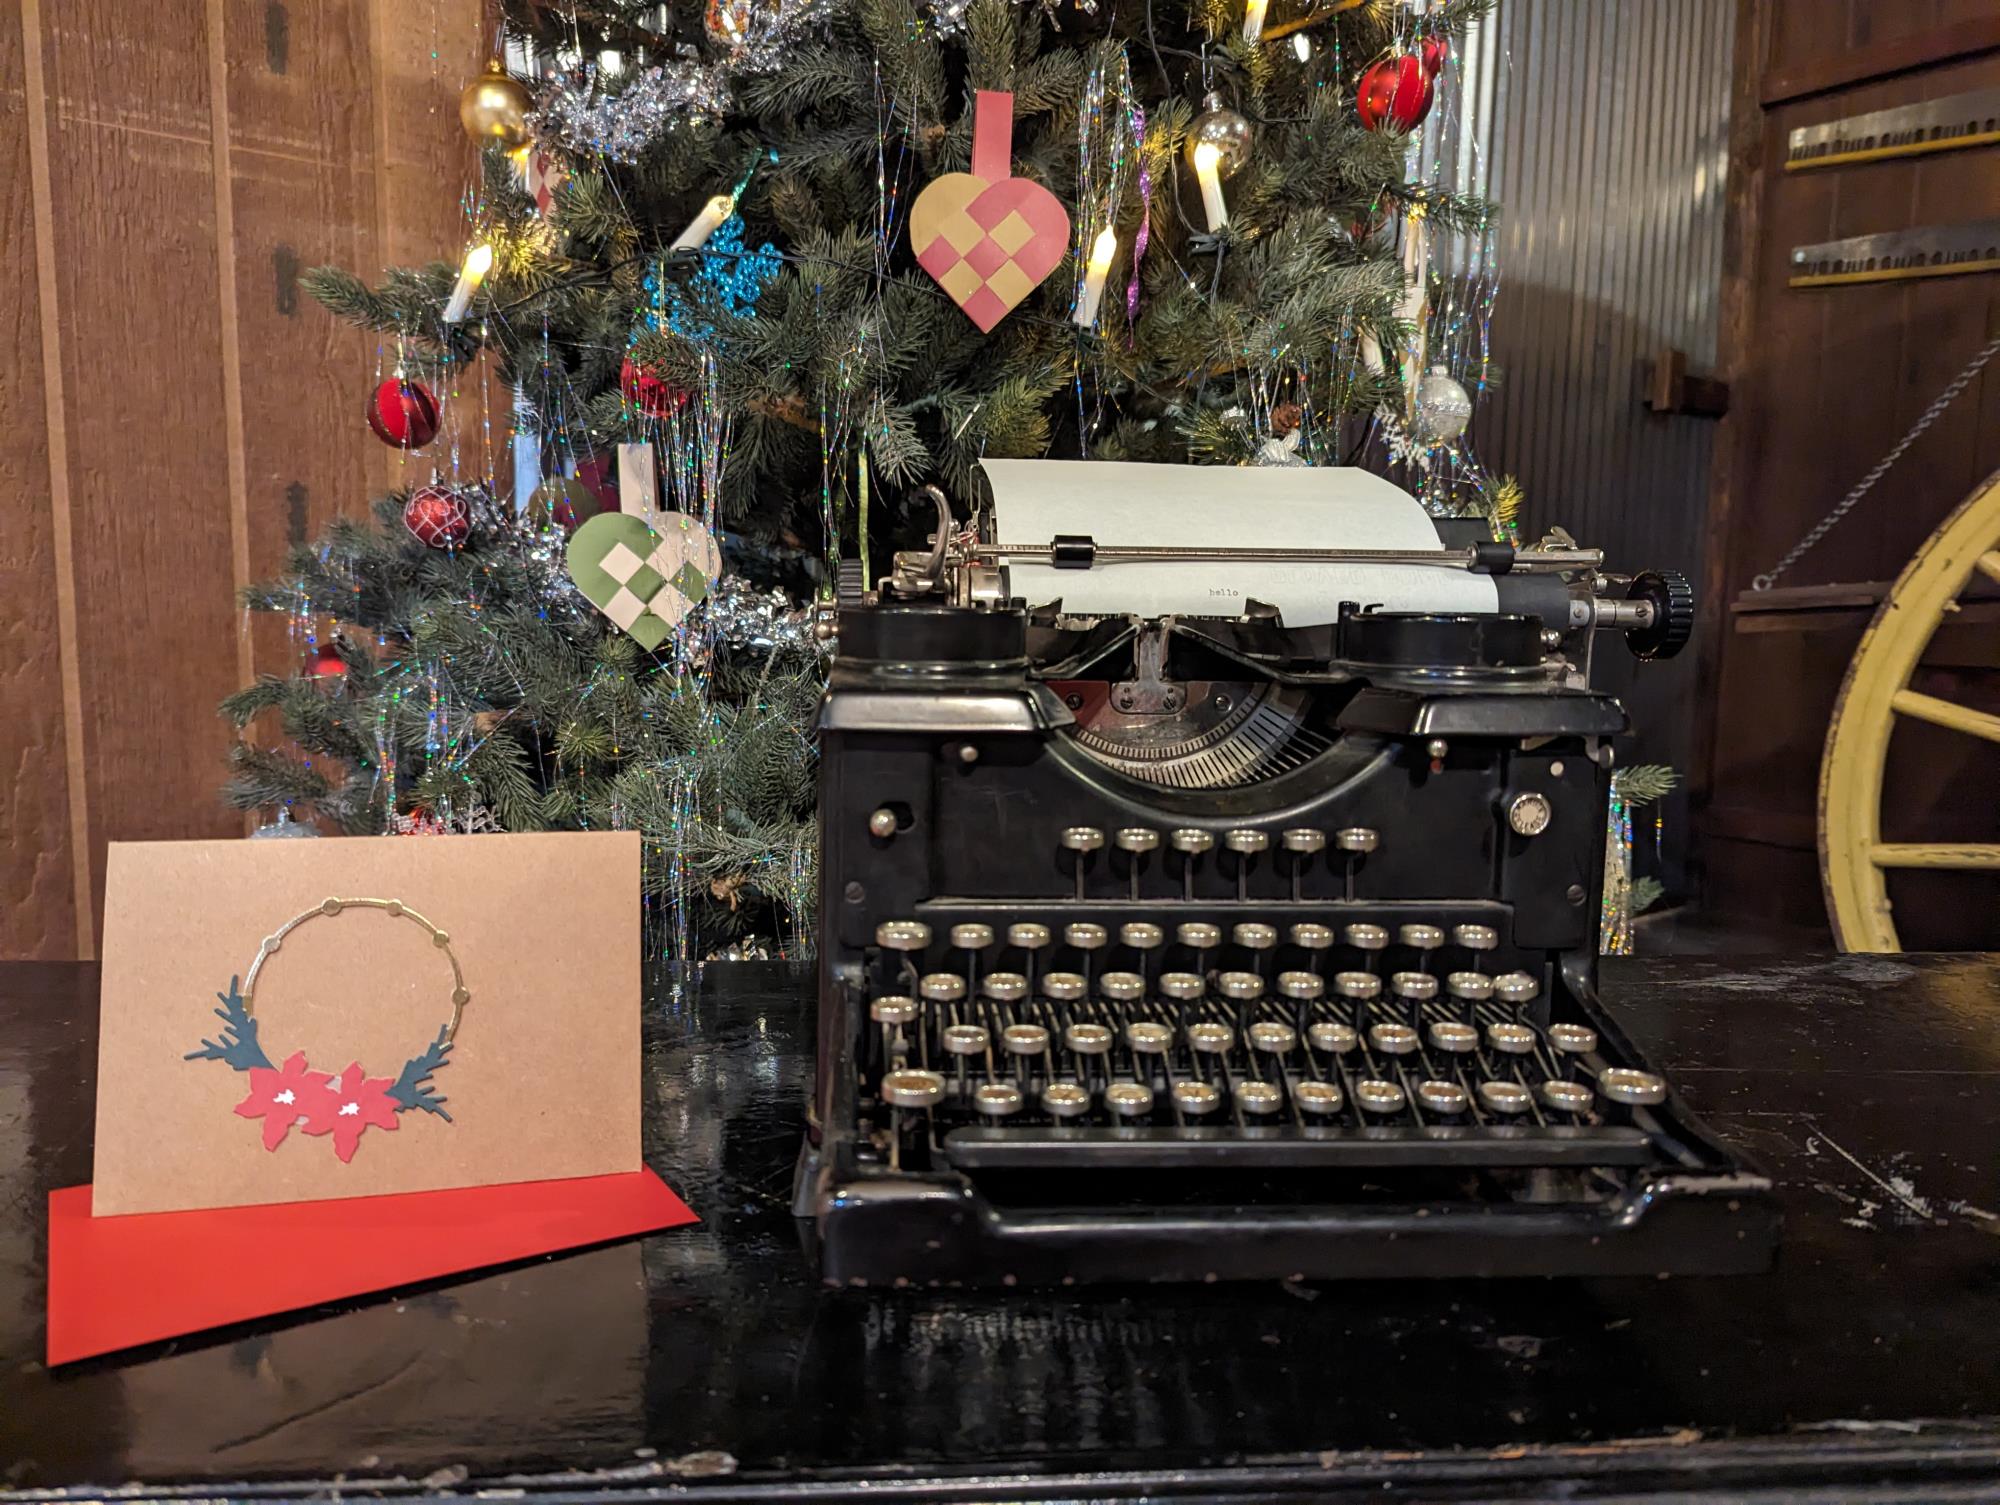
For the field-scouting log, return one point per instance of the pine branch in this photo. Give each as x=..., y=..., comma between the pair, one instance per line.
x=237, y=1043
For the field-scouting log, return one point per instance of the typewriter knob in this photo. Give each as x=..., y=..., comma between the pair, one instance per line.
x=1473, y=987
x=1357, y=984
x=1627, y=1084
x=902, y=935
x=1191, y=842
x=972, y=937
x=942, y=987
x=1196, y=1098
x=1393, y=1039
x=1004, y=987
x=1024, y=1040
x=1259, y=1098
x=882, y=823
x=1454, y=1036
x=1312, y=937
x=1573, y=1039
x=1421, y=937
x=1672, y=600
x=1566, y=1096
x=1511, y=1039
x=1301, y=985
x=1378, y=1096
x=1028, y=936
x=1529, y=814
x=1367, y=937
x=1242, y=987
x=1199, y=934
x=1082, y=838
x=895, y=1009
x=1476, y=937
x=1210, y=1038
x=1273, y=1038
x=1122, y=987
x=1303, y=841
x=1088, y=1039
x=1137, y=839
x=912, y=1089
x=1358, y=839
x=1244, y=842
x=1417, y=986
x=1255, y=937
x=1316, y=1097
x=1504, y=1097
x=1063, y=987
x=1140, y=935
x=997, y=1099
x=1446, y=1098
x=1148, y=1038
x=1065, y=1100
x=1085, y=936
x=1515, y=987
x=1182, y=987
x=1332, y=1037
x=1128, y=1099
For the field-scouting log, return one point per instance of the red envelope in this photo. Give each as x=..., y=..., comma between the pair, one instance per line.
x=120, y=1281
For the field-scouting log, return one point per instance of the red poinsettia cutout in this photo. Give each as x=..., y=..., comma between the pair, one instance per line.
x=283, y=1096
x=347, y=1104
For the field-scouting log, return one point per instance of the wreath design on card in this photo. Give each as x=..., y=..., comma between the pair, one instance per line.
x=340, y=1105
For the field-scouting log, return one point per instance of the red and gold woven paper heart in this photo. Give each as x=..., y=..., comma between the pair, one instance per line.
x=989, y=238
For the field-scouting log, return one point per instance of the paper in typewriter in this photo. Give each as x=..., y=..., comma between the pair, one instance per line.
x=1214, y=507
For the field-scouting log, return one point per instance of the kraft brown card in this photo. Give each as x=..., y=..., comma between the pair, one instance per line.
x=340, y=1073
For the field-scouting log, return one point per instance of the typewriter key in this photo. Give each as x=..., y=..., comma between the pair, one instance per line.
x=1504, y=1097
x=1065, y=1100
x=1273, y=1038
x=902, y=935
x=1301, y=985
x=1196, y=1098
x=1128, y=1099
x=1357, y=839
x=1627, y=1084
x=1122, y=987
x=1515, y=988
x=1242, y=987
x=1357, y=984
x=1024, y=1039
x=1511, y=1039
x=1566, y=1097
x=1393, y=1039
x=1378, y=1096
x=911, y=1088
x=1028, y=936
x=1304, y=840
x=1416, y=986
x=893, y=1010
x=1004, y=987
x=997, y=1099
x=964, y=1039
x=1085, y=936
x=942, y=987
x=1331, y=1036
x=972, y=936
x=1453, y=1036
x=1253, y=1096
x=1137, y=839
x=1191, y=841
x=1312, y=937
x=1442, y=1097
x=1367, y=937
x=1317, y=1097
x=1245, y=842
x=1082, y=838
x=1573, y=1039
x=1148, y=1038
x=1199, y=934
x=1475, y=937
x=1210, y=1038
x=1182, y=987
x=1420, y=937
x=1140, y=935
x=1255, y=937
x=1064, y=987
x=1472, y=987
x=1088, y=1039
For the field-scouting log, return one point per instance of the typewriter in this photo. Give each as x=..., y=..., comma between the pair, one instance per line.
x=1186, y=943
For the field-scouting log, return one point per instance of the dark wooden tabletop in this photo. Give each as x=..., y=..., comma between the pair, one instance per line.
x=709, y=1357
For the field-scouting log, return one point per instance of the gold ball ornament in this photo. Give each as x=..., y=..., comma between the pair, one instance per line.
x=494, y=108
x=1225, y=130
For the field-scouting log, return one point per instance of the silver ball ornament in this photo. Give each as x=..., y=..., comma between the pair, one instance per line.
x=1444, y=408
x=1224, y=129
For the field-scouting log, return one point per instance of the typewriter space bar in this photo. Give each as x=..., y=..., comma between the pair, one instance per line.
x=982, y=1148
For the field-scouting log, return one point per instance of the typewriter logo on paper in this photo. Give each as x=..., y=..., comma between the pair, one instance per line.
x=988, y=238
x=643, y=580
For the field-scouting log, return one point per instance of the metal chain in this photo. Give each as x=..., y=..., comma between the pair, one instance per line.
x=1846, y=504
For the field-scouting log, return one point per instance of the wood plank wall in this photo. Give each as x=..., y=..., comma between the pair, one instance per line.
x=1824, y=383
x=173, y=409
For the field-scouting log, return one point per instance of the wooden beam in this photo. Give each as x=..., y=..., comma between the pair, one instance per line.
x=1920, y=49
x=1980, y=856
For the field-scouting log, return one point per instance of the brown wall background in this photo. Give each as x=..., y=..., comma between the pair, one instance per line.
x=173, y=409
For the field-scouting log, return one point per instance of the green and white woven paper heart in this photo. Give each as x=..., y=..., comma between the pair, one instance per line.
x=644, y=578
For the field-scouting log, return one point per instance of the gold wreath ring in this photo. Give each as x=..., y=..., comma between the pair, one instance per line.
x=395, y=909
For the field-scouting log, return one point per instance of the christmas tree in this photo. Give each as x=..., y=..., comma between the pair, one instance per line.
x=740, y=235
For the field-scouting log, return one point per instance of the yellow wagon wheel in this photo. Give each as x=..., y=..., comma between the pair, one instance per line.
x=1854, y=860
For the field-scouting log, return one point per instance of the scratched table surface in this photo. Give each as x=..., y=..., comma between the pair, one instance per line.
x=709, y=1359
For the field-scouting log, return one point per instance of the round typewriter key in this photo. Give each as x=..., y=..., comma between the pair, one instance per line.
x=1566, y=1097
x=1253, y=1096
x=1148, y=1038
x=1210, y=1038
x=1510, y=1039
x=1255, y=937
x=1419, y=986
x=1357, y=839
x=1393, y=1039
x=1273, y=1038
x=1420, y=937
x=1627, y=1084
x=1378, y=1096
x=1004, y=987
x=1311, y=937
x=1024, y=1039
x=1573, y=1039
x=1140, y=935
x=1453, y=1036
x=1357, y=985
x=1196, y=1098
x=997, y=1099
x=1064, y=987
x=1088, y=1039
x=1317, y=1097
x=893, y=1010
x=1199, y=934
x=1304, y=840
x=1240, y=986
x=1442, y=1097
x=1245, y=841
x=1301, y=985
x=1085, y=936
x=942, y=987
x=1367, y=937
x=1028, y=935
x=1515, y=988
x=1191, y=841
x=1473, y=987
x=1182, y=987
x=972, y=936
x=902, y=935
x=1128, y=1099
x=1065, y=1100
x=1136, y=839
x=1082, y=838
x=965, y=1039
x=1476, y=937
x=1122, y=987
x=1331, y=1036
x=911, y=1088
x=1504, y=1097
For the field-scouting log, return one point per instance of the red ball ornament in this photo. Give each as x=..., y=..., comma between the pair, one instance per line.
x=403, y=414
x=1394, y=92
x=324, y=662
x=1434, y=50
x=652, y=394
x=438, y=517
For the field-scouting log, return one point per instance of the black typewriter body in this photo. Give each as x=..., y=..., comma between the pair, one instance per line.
x=1199, y=949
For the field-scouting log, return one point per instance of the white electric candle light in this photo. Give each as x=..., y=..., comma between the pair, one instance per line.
x=478, y=261
x=1207, y=157
x=713, y=213
x=1253, y=19
x=1302, y=46
x=1094, y=274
